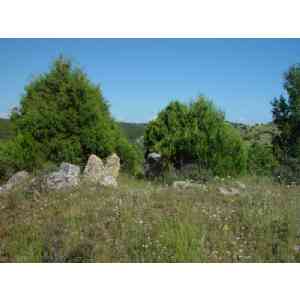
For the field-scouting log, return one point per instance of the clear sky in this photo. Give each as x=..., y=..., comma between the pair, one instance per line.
x=140, y=76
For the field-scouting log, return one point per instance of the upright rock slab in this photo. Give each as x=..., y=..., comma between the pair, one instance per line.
x=112, y=166
x=98, y=173
x=153, y=166
x=94, y=169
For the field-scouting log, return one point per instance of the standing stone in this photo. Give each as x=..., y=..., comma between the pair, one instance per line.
x=109, y=181
x=67, y=176
x=98, y=173
x=153, y=166
x=94, y=169
x=112, y=166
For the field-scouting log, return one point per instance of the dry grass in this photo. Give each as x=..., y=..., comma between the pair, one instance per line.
x=142, y=222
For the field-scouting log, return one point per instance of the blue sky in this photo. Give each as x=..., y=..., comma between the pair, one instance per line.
x=140, y=76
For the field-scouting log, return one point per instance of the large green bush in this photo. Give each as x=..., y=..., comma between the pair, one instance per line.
x=261, y=159
x=19, y=153
x=286, y=116
x=64, y=117
x=196, y=133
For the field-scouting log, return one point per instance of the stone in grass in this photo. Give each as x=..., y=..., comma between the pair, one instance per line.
x=16, y=180
x=94, y=169
x=98, y=173
x=188, y=185
x=67, y=176
x=229, y=191
x=112, y=166
x=297, y=248
x=109, y=181
x=241, y=185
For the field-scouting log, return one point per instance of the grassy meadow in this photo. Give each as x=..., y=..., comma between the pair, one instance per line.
x=152, y=222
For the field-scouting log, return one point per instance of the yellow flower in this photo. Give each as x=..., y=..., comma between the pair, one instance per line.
x=225, y=227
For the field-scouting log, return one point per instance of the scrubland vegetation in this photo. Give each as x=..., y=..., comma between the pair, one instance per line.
x=146, y=222
x=64, y=117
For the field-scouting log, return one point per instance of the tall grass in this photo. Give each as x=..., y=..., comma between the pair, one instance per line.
x=143, y=222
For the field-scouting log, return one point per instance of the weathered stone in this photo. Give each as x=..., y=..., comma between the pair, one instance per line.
x=297, y=248
x=108, y=181
x=112, y=166
x=154, y=156
x=94, y=169
x=16, y=180
x=66, y=177
x=188, y=185
x=229, y=191
x=179, y=184
x=98, y=173
x=153, y=166
x=241, y=185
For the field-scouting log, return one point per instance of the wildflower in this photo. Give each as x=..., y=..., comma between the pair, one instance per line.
x=225, y=227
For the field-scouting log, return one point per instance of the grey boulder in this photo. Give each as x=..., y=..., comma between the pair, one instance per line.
x=188, y=185
x=153, y=166
x=16, y=180
x=67, y=176
x=228, y=191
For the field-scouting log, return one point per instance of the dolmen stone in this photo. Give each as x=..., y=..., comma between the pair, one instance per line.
x=66, y=177
x=17, y=179
x=103, y=174
x=153, y=166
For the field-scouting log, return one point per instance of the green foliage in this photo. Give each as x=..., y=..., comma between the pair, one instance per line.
x=288, y=172
x=19, y=153
x=286, y=116
x=261, y=160
x=131, y=156
x=133, y=131
x=257, y=133
x=196, y=133
x=5, y=129
x=65, y=116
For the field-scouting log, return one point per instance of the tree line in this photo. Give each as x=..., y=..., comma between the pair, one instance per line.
x=63, y=116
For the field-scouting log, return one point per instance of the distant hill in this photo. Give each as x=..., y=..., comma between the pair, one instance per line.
x=5, y=129
x=261, y=133
x=133, y=131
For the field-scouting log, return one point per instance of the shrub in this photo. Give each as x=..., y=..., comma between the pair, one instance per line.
x=261, y=160
x=65, y=117
x=18, y=154
x=131, y=157
x=288, y=172
x=196, y=133
x=286, y=116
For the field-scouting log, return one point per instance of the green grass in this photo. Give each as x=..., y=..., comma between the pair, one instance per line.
x=144, y=222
